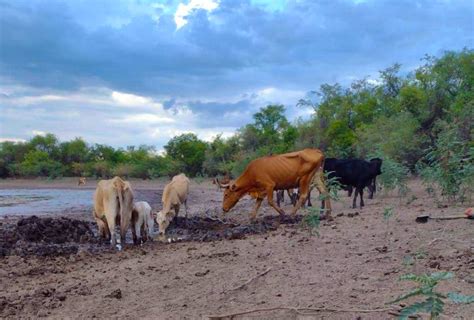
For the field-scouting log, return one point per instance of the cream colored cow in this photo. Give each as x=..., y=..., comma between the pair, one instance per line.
x=142, y=222
x=174, y=194
x=113, y=204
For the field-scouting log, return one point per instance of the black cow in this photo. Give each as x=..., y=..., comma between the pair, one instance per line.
x=280, y=196
x=355, y=173
x=373, y=185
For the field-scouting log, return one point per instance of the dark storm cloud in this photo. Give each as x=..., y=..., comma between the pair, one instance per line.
x=222, y=65
x=237, y=46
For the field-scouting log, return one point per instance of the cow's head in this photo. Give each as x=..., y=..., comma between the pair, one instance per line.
x=232, y=194
x=163, y=222
x=376, y=165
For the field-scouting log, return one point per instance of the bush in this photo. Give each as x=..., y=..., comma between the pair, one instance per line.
x=38, y=164
x=101, y=169
x=394, y=176
x=449, y=164
x=123, y=170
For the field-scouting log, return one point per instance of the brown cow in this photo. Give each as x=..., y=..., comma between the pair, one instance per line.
x=278, y=172
x=81, y=181
x=113, y=204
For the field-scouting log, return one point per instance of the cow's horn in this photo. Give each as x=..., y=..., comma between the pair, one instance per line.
x=222, y=185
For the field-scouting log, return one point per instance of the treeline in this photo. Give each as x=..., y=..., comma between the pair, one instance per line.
x=415, y=121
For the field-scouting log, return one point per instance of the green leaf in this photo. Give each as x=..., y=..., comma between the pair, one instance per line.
x=460, y=298
x=412, y=309
x=443, y=275
x=412, y=293
x=435, y=306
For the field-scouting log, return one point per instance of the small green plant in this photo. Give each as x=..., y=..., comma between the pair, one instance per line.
x=312, y=220
x=434, y=301
x=387, y=213
x=333, y=186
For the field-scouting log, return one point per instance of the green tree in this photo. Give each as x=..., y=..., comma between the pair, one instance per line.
x=188, y=151
x=38, y=163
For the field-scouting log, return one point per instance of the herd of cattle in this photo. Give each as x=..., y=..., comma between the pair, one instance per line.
x=302, y=171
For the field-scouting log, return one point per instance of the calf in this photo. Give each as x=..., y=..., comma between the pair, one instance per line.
x=142, y=222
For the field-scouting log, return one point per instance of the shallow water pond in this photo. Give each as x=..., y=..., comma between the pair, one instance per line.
x=42, y=201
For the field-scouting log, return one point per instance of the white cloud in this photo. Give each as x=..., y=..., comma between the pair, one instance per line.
x=147, y=118
x=185, y=9
x=128, y=99
x=38, y=133
x=12, y=140
x=279, y=96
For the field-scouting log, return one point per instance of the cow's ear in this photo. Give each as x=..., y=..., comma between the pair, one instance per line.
x=233, y=187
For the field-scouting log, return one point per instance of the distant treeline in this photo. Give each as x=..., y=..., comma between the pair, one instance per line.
x=413, y=121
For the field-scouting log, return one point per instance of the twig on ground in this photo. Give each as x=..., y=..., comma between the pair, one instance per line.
x=296, y=310
x=251, y=279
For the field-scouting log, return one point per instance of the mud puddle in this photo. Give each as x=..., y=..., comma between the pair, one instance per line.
x=212, y=229
x=63, y=236
x=46, y=236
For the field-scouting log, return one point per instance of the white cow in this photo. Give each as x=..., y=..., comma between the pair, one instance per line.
x=174, y=194
x=142, y=222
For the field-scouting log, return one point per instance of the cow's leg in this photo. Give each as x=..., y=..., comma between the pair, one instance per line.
x=278, y=197
x=361, y=192
x=355, y=198
x=349, y=191
x=321, y=186
x=101, y=226
x=303, y=193
x=143, y=232
x=176, y=212
x=309, y=198
x=111, y=214
x=185, y=212
x=134, y=229
x=124, y=223
x=272, y=203
x=372, y=188
x=253, y=214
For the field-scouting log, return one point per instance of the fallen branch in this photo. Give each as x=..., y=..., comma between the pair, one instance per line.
x=251, y=279
x=297, y=310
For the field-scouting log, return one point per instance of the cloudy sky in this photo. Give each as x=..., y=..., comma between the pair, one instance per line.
x=142, y=71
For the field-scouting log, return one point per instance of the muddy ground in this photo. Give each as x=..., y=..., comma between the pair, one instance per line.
x=221, y=266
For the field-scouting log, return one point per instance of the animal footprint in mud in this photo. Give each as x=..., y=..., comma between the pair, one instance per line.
x=117, y=294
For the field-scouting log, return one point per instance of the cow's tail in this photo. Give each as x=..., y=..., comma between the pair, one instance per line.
x=119, y=186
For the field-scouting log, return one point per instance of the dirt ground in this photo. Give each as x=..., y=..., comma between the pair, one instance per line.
x=353, y=265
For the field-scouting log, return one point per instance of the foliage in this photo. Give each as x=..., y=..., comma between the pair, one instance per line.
x=387, y=213
x=312, y=220
x=333, y=186
x=433, y=301
x=37, y=163
x=449, y=164
x=394, y=176
x=188, y=151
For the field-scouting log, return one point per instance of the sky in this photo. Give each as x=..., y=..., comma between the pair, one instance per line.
x=142, y=71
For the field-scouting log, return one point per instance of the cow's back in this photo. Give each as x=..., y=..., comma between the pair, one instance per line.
x=284, y=170
x=177, y=190
x=354, y=171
